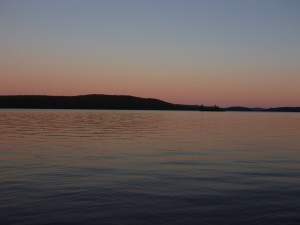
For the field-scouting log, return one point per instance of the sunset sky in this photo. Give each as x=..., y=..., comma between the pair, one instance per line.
x=227, y=53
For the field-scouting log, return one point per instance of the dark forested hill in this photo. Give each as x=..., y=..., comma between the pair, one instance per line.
x=94, y=102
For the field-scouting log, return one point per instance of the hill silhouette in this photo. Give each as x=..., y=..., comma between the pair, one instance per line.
x=95, y=101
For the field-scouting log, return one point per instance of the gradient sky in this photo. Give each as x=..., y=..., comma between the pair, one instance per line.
x=209, y=52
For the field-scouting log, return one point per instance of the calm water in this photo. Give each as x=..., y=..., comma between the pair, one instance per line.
x=149, y=167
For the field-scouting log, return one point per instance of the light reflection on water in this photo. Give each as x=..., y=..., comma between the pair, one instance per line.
x=149, y=167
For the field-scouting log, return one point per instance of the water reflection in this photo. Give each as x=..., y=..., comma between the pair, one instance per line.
x=149, y=167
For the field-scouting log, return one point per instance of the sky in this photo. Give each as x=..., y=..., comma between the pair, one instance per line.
x=211, y=52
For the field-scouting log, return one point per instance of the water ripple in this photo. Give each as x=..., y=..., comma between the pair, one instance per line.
x=149, y=167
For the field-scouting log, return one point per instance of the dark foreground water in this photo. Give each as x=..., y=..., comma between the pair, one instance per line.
x=149, y=167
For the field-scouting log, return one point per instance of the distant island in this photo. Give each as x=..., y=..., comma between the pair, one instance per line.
x=95, y=101
x=278, y=109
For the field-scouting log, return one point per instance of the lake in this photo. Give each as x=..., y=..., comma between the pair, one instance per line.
x=149, y=167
